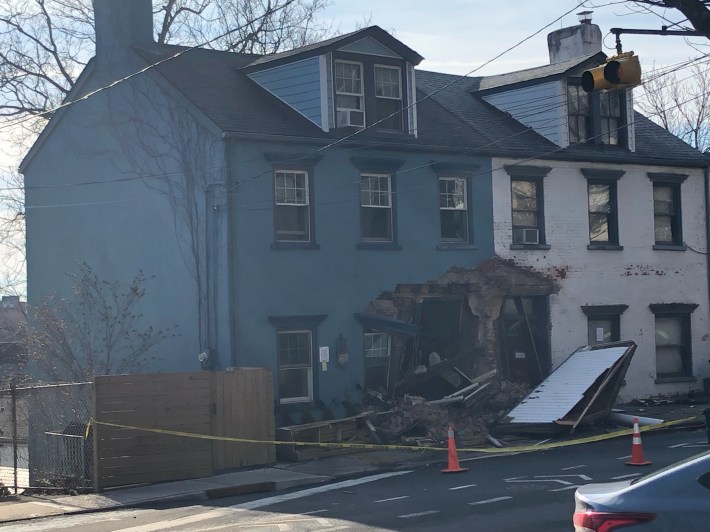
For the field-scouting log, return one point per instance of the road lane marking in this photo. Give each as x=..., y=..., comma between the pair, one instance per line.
x=573, y=467
x=624, y=457
x=393, y=498
x=583, y=477
x=630, y=475
x=572, y=487
x=268, y=501
x=547, y=478
x=418, y=514
x=563, y=482
x=488, y=501
x=315, y=512
x=463, y=487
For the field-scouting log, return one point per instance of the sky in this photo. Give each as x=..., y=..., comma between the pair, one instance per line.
x=459, y=36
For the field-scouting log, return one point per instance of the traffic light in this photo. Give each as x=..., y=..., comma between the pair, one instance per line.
x=620, y=71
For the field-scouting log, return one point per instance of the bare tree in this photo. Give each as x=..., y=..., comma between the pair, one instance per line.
x=44, y=45
x=96, y=332
x=696, y=11
x=682, y=106
x=182, y=161
x=12, y=235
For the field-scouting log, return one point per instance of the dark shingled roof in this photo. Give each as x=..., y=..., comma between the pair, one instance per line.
x=540, y=73
x=502, y=134
x=217, y=85
x=336, y=42
x=212, y=80
x=449, y=115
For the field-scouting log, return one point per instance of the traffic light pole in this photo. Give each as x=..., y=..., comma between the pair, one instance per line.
x=663, y=31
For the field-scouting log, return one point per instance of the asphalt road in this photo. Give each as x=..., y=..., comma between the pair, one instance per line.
x=523, y=492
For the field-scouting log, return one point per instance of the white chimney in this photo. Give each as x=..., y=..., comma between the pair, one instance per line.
x=575, y=41
x=121, y=24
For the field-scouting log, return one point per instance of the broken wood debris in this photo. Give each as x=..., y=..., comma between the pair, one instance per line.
x=472, y=405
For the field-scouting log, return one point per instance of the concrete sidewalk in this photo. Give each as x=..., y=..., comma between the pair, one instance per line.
x=279, y=477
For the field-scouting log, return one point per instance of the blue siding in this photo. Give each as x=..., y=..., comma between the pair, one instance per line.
x=542, y=107
x=337, y=279
x=297, y=84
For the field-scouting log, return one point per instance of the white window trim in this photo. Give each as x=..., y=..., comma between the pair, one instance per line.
x=465, y=194
x=399, y=77
x=306, y=188
x=389, y=191
x=361, y=94
x=389, y=344
x=308, y=367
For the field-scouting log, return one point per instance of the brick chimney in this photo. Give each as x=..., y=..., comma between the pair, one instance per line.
x=121, y=24
x=575, y=41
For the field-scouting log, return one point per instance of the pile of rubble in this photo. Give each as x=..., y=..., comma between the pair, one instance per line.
x=419, y=415
x=413, y=420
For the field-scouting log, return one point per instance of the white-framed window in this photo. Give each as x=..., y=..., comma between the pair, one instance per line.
x=376, y=207
x=453, y=209
x=377, y=346
x=388, y=96
x=292, y=217
x=295, y=366
x=349, y=94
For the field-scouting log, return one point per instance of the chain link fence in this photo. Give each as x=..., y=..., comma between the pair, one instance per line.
x=43, y=440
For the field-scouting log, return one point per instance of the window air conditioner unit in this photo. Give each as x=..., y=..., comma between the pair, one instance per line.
x=531, y=236
x=352, y=117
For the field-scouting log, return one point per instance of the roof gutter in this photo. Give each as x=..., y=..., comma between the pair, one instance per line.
x=556, y=155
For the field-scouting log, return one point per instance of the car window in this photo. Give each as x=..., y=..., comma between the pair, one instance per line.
x=674, y=465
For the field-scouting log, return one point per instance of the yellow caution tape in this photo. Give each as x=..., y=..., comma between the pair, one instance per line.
x=373, y=446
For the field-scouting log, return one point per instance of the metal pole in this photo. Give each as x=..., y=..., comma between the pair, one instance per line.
x=13, y=397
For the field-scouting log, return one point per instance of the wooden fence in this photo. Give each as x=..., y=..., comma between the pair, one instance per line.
x=237, y=404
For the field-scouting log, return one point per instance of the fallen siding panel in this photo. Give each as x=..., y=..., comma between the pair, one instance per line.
x=557, y=395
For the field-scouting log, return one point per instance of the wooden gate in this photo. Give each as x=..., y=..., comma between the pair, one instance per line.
x=235, y=404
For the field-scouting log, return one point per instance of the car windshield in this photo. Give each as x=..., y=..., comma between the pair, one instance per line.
x=672, y=466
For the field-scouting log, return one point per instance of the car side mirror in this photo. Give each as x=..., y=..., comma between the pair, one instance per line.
x=704, y=480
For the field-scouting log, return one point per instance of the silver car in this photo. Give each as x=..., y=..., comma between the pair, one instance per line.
x=676, y=497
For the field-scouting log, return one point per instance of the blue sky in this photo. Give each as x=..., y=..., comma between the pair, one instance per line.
x=458, y=36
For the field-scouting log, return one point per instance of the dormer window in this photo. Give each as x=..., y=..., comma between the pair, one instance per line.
x=370, y=92
x=349, y=94
x=596, y=117
x=388, y=96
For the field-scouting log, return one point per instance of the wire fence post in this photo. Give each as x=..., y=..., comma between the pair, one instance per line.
x=13, y=399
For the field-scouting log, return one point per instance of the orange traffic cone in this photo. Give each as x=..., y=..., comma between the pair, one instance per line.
x=453, y=466
x=636, y=447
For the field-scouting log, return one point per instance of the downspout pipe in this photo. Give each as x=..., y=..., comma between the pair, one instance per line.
x=231, y=262
x=212, y=268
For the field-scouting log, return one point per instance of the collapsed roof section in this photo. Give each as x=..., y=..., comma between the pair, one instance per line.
x=582, y=389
